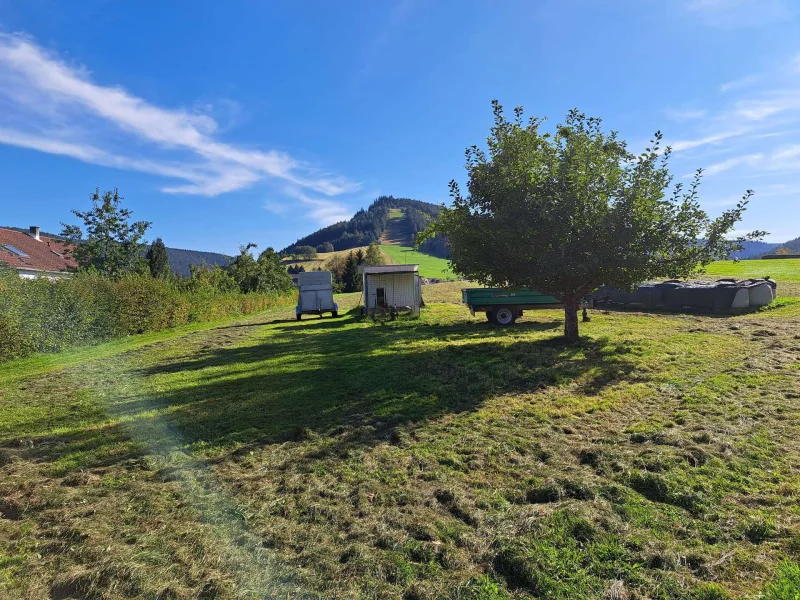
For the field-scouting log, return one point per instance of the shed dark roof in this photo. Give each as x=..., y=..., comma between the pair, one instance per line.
x=377, y=269
x=44, y=254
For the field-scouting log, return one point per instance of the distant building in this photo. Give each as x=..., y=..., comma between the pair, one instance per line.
x=34, y=255
x=389, y=288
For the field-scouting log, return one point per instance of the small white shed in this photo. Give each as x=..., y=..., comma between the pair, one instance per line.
x=388, y=287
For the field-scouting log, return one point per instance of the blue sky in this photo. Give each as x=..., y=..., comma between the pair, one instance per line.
x=233, y=122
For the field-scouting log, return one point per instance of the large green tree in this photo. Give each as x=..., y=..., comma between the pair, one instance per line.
x=111, y=242
x=272, y=274
x=244, y=269
x=158, y=260
x=305, y=252
x=373, y=255
x=564, y=212
x=264, y=274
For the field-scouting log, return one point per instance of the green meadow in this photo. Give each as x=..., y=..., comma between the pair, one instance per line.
x=436, y=458
x=782, y=270
x=429, y=266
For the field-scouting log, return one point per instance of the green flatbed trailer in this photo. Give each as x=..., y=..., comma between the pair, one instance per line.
x=503, y=307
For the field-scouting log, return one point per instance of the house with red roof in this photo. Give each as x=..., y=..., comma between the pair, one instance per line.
x=34, y=255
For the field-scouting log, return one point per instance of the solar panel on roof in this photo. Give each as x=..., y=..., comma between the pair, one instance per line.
x=15, y=251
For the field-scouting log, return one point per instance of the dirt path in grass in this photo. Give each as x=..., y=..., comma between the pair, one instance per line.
x=332, y=458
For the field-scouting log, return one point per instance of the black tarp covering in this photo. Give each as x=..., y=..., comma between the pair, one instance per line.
x=723, y=296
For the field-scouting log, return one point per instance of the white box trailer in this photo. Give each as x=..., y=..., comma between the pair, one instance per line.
x=315, y=294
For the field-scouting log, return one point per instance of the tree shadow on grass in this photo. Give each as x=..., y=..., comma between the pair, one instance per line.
x=246, y=325
x=325, y=380
x=374, y=377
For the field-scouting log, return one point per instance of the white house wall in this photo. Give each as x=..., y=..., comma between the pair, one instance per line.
x=401, y=289
x=34, y=274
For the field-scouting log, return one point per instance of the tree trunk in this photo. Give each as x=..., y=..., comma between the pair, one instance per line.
x=571, y=307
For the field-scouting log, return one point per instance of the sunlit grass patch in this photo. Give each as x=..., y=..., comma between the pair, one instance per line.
x=438, y=457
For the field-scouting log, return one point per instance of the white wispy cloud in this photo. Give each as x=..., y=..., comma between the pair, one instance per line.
x=767, y=104
x=54, y=107
x=746, y=140
x=736, y=161
x=770, y=113
x=785, y=159
x=323, y=211
x=740, y=83
x=714, y=138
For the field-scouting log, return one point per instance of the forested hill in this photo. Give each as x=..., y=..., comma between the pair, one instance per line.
x=180, y=261
x=368, y=225
x=790, y=247
x=754, y=249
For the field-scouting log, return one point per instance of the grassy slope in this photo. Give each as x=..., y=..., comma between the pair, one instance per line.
x=439, y=458
x=397, y=247
x=429, y=266
x=319, y=262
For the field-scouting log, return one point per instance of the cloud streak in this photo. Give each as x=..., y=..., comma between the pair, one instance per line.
x=736, y=161
x=323, y=211
x=50, y=106
x=714, y=138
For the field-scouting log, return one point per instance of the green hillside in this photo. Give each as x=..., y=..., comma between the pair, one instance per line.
x=398, y=241
x=367, y=226
x=429, y=266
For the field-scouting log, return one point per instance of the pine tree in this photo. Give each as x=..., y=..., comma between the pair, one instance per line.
x=350, y=279
x=158, y=260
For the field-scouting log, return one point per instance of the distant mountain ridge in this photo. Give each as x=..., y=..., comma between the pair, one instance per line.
x=754, y=250
x=367, y=226
x=790, y=247
x=181, y=261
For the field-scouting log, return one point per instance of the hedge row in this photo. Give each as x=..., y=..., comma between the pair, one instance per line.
x=47, y=316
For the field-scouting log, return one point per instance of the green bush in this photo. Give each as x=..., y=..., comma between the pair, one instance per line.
x=40, y=315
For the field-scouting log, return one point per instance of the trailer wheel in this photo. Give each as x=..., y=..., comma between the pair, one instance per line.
x=299, y=316
x=335, y=314
x=504, y=316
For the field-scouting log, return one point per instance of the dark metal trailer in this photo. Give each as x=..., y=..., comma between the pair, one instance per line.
x=503, y=307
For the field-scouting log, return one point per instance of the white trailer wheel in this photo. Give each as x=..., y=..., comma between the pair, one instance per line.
x=504, y=316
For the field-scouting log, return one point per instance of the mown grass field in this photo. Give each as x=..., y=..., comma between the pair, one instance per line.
x=429, y=266
x=782, y=270
x=431, y=458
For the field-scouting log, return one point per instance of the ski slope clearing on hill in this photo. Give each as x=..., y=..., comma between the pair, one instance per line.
x=429, y=266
